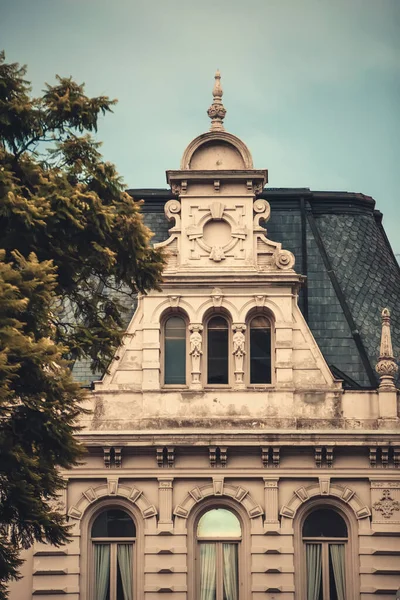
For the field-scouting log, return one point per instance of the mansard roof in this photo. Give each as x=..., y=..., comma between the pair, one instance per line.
x=352, y=274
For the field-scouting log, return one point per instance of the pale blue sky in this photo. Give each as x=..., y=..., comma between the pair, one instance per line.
x=312, y=86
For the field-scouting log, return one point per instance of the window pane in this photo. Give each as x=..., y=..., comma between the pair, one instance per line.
x=175, y=351
x=230, y=578
x=260, y=351
x=314, y=571
x=219, y=523
x=337, y=579
x=324, y=523
x=207, y=572
x=124, y=572
x=217, y=350
x=113, y=523
x=102, y=570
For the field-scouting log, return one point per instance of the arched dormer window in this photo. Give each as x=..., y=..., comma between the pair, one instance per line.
x=260, y=350
x=175, y=351
x=113, y=535
x=217, y=351
x=325, y=538
x=219, y=534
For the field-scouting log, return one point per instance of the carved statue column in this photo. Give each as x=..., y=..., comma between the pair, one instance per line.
x=387, y=368
x=271, y=502
x=196, y=342
x=239, y=352
x=165, y=502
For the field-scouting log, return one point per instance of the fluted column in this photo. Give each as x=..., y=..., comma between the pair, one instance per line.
x=165, y=503
x=271, y=503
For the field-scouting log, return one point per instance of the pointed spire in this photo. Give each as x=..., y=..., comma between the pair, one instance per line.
x=386, y=366
x=217, y=111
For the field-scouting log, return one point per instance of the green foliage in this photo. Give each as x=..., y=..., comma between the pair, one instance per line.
x=70, y=233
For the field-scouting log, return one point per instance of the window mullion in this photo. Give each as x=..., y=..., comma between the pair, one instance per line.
x=113, y=571
x=325, y=571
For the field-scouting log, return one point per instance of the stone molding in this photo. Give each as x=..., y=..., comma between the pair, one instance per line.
x=221, y=136
x=112, y=489
x=324, y=489
x=219, y=489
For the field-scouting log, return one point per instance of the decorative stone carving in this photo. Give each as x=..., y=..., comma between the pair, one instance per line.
x=318, y=456
x=217, y=254
x=276, y=456
x=216, y=297
x=223, y=456
x=174, y=300
x=372, y=456
x=118, y=457
x=107, y=457
x=195, y=352
x=213, y=456
x=160, y=457
x=263, y=211
x=239, y=351
x=170, y=456
x=217, y=111
x=172, y=209
x=387, y=505
x=265, y=456
x=386, y=366
x=284, y=260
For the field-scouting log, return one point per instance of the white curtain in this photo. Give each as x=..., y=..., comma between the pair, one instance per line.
x=124, y=556
x=230, y=571
x=314, y=570
x=337, y=557
x=102, y=570
x=207, y=571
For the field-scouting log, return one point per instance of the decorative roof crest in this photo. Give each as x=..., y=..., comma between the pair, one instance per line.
x=217, y=111
x=386, y=366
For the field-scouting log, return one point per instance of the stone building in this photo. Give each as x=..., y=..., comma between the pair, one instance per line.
x=242, y=445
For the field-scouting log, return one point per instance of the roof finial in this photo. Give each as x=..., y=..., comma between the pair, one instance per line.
x=217, y=111
x=386, y=366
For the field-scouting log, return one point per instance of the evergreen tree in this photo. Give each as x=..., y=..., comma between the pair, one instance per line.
x=69, y=234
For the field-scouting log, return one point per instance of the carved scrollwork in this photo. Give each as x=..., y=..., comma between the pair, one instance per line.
x=263, y=210
x=284, y=260
x=172, y=210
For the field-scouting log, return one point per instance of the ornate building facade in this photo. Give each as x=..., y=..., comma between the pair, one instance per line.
x=231, y=456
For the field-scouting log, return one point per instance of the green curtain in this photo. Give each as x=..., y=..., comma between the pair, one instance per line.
x=102, y=570
x=207, y=571
x=124, y=557
x=314, y=570
x=230, y=571
x=337, y=558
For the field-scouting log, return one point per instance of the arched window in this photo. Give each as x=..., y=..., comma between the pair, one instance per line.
x=113, y=535
x=325, y=537
x=175, y=351
x=218, y=537
x=217, y=351
x=260, y=350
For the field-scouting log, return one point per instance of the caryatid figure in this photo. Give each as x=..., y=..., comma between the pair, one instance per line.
x=239, y=352
x=196, y=342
